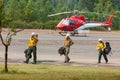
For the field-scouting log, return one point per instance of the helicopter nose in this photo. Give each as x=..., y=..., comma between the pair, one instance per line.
x=60, y=27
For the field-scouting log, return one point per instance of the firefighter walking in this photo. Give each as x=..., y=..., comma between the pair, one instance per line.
x=100, y=47
x=32, y=48
x=67, y=43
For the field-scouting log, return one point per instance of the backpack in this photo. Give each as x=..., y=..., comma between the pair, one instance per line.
x=108, y=48
x=26, y=51
x=62, y=50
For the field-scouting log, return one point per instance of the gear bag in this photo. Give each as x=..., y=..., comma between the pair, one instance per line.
x=26, y=51
x=62, y=50
x=108, y=48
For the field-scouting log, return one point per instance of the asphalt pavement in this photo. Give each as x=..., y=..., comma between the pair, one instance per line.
x=82, y=53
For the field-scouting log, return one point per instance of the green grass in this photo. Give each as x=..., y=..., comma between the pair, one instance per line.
x=52, y=72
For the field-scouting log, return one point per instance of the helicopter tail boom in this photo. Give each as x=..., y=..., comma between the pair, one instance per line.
x=107, y=25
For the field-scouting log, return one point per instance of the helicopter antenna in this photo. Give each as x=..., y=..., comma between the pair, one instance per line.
x=76, y=12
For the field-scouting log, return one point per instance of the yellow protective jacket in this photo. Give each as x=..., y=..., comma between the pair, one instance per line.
x=32, y=42
x=101, y=46
x=68, y=42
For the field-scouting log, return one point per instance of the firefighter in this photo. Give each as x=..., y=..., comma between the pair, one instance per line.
x=100, y=47
x=67, y=43
x=32, y=48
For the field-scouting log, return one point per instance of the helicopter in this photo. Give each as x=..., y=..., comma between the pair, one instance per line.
x=77, y=24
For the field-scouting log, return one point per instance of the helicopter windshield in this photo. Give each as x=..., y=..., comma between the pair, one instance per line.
x=64, y=21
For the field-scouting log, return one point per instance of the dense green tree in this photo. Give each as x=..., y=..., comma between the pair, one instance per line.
x=21, y=9
x=29, y=11
x=116, y=4
x=88, y=4
x=106, y=9
x=99, y=6
x=1, y=12
x=11, y=13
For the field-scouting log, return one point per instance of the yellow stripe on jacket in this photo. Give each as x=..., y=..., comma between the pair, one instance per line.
x=101, y=46
x=32, y=42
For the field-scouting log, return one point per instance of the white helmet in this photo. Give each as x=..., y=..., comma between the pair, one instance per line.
x=67, y=35
x=100, y=39
x=33, y=33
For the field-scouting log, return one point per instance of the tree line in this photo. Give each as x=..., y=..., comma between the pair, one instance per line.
x=34, y=13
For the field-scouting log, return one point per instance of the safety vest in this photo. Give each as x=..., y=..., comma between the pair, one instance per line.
x=32, y=42
x=101, y=46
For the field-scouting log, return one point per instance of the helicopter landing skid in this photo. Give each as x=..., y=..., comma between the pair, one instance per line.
x=73, y=33
x=81, y=33
x=62, y=33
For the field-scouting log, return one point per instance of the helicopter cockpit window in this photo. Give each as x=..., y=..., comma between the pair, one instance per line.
x=61, y=21
x=65, y=21
x=73, y=22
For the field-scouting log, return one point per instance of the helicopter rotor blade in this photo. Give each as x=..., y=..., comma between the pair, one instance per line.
x=76, y=12
x=59, y=13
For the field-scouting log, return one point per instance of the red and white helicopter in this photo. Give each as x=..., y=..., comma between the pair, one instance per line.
x=77, y=23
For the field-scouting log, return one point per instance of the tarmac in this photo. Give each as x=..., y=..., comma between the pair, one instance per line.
x=82, y=53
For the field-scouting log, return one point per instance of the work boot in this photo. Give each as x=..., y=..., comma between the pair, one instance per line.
x=106, y=62
x=68, y=59
x=65, y=61
x=25, y=62
x=99, y=62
